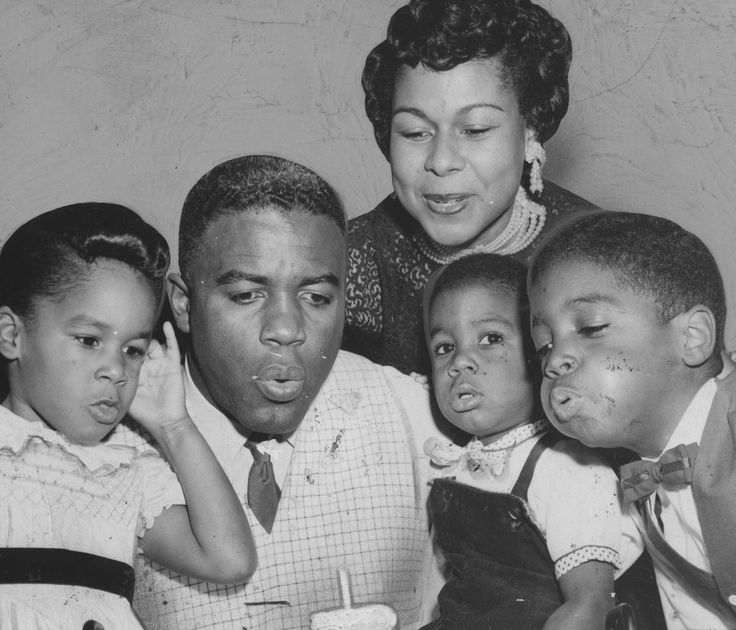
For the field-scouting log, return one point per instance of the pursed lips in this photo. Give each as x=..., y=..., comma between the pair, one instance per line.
x=565, y=403
x=280, y=383
x=105, y=411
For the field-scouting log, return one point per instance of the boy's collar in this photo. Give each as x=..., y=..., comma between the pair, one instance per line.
x=691, y=425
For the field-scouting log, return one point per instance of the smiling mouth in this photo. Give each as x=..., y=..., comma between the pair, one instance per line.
x=565, y=403
x=446, y=204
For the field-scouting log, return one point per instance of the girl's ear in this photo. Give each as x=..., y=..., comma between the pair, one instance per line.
x=10, y=328
x=178, y=294
x=699, y=331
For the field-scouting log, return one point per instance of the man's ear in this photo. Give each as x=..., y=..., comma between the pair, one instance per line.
x=698, y=328
x=178, y=293
x=10, y=328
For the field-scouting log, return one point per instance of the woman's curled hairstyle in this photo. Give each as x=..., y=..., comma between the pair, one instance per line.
x=50, y=254
x=533, y=47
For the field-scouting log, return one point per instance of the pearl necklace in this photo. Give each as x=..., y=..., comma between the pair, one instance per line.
x=526, y=222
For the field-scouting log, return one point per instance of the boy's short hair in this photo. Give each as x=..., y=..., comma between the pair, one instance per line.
x=251, y=183
x=650, y=255
x=491, y=271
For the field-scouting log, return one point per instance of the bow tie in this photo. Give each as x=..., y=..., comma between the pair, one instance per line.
x=481, y=460
x=452, y=456
x=673, y=468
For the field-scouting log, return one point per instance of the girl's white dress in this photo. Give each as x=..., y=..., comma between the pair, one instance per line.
x=96, y=499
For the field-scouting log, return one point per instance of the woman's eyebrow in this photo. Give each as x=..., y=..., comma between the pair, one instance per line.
x=414, y=111
x=410, y=110
x=472, y=106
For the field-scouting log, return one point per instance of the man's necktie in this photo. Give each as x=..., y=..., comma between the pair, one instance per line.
x=673, y=468
x=263, y=491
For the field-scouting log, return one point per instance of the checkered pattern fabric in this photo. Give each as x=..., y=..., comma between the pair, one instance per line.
x=350, y=500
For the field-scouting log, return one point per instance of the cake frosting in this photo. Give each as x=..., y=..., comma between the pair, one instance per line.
x=365, y=617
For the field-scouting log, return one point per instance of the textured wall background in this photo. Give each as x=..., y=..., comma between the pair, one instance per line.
x=131, y=101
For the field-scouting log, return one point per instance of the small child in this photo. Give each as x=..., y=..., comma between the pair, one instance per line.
x=628, y=313
x=529, y=523
x=80, y=289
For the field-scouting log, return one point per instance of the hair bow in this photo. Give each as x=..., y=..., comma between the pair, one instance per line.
x=673, y=468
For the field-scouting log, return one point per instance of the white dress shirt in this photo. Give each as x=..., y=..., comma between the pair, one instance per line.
x=227, y=440
x=681, y=528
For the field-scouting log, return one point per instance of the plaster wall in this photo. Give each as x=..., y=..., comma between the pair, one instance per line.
x=131, y=101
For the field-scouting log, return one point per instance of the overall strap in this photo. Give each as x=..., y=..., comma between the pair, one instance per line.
x=31, y=565
x=521, y=487
x=698, y=583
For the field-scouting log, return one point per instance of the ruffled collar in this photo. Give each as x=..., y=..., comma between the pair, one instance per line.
x=18, y=434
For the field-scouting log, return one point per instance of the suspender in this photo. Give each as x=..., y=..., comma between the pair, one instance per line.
x=700, y=584
x=21, y=565
x=521, y=487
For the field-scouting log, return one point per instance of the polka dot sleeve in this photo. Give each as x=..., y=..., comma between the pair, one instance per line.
x=574, y=497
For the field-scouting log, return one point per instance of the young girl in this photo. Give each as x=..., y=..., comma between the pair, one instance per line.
x=529, y=523
x=80, y=289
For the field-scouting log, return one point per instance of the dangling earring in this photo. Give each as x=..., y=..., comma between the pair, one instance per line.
x=536, y=156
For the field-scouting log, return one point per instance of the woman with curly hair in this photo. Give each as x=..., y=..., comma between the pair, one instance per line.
x=462, y=95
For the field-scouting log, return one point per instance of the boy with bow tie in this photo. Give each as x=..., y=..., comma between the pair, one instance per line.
x=529, y=522
x=628, y=314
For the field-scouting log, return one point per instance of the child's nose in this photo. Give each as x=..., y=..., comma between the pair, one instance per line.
x=463, y=362
x=112, y=368
x=561, y=359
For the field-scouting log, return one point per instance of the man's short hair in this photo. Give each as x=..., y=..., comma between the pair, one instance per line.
x=252, y=183
x=650, y=255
